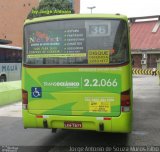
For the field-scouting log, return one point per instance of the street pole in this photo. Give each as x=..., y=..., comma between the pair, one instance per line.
x=91, y=8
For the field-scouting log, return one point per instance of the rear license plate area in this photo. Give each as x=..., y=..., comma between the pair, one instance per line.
x=69, y=124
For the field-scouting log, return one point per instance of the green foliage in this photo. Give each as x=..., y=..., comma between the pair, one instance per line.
x=52, y=7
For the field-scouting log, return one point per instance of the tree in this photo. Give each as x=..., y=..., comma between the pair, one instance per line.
x=52, y=7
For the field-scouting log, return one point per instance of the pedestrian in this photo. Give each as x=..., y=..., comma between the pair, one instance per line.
x=154, y=71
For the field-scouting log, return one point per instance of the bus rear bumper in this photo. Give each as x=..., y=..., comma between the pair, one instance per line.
x=121, y=124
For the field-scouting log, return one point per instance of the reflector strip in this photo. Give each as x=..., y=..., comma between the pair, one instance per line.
x=24, y=97
x=45, y=116
x=105, y=118
x=125, y=109
x=39, y=116
x=99, y=118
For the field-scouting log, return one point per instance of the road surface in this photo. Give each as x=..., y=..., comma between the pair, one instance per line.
x=146, y=126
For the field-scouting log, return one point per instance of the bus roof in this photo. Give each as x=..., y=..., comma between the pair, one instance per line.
x=2, y=41
x=75, y=16
x=10, y=47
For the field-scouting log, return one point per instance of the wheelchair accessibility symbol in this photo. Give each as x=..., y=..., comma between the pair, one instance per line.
x=36, y=92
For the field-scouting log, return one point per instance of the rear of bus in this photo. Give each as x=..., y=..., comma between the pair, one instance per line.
x=77, y=73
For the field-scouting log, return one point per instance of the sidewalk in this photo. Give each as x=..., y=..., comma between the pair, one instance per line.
x=14, y=110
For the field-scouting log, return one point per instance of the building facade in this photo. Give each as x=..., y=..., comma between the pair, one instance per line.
x=76, y=5
x=13, y=14
x=145, y=41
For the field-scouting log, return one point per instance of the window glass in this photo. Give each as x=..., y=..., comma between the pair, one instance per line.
x=71, y=42
x=10, y=55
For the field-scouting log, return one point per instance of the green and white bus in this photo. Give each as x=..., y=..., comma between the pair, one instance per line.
x=77, y=73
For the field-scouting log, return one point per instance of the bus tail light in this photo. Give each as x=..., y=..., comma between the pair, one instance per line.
x=125, y=101
x=24, y=99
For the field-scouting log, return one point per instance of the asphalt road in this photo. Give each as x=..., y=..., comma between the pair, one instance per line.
x=146, y=127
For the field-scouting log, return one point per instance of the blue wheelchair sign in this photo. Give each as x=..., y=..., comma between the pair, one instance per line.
x=36, y=92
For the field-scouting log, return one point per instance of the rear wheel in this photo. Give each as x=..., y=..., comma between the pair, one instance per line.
x=3, y=78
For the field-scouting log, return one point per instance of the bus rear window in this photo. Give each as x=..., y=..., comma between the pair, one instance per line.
x=77, y=42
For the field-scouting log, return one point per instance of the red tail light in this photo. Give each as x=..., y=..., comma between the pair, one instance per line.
x=24, y=99
x=125, y=101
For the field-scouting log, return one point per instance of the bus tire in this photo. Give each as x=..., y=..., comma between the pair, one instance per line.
x=3, y=78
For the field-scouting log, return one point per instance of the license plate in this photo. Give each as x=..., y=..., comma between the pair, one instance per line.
x=68, y=124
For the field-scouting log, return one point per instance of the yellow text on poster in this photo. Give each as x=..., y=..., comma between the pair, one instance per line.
x=99, y=106
x=98, y=56
x=56, y=55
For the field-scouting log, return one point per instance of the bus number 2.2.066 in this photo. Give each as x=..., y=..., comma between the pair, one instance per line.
x=100, y=83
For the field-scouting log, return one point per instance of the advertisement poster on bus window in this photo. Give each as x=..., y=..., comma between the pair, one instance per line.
x=57, y=43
